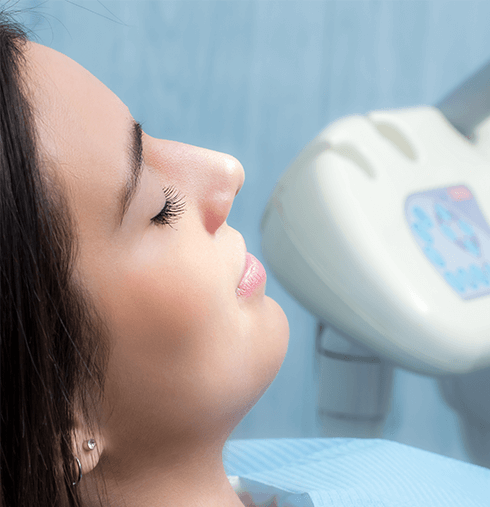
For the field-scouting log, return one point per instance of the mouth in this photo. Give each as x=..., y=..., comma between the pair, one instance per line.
x=253, y=277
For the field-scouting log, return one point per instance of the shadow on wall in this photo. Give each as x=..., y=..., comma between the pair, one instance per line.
x=469, y=395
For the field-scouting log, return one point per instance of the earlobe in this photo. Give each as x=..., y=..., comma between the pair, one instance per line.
x=87, y=452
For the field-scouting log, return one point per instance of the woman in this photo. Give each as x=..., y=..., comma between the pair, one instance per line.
x=131, y=344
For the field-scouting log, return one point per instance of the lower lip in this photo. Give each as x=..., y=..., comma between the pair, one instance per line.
x=253, y=277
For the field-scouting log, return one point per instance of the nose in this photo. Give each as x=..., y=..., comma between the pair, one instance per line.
x=210, y=180
x=225, y=179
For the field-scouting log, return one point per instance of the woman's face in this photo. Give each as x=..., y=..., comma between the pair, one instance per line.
x=189, y=356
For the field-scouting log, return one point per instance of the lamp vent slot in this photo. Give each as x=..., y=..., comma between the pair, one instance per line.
x=393, y=134
x=351, y=152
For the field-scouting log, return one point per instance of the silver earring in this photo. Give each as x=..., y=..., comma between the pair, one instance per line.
x=79, y=472
x=90, y=444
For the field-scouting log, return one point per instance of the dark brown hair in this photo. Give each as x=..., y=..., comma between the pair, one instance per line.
x=52, y=340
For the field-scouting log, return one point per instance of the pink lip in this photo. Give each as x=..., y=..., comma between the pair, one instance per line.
x=253, y=277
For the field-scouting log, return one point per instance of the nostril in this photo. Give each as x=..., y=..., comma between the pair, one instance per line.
x=396, y=138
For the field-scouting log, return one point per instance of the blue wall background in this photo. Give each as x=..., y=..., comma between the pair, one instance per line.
x=258, y=80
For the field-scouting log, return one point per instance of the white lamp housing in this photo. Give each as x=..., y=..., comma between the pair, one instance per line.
x=381, y=228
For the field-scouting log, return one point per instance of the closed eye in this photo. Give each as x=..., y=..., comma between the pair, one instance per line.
x=173, y=209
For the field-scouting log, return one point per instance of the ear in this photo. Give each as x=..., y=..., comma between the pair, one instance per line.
x=89, y=458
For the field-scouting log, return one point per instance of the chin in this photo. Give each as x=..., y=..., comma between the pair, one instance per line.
x=281, y=329
x=272, y=345
x=277, y=332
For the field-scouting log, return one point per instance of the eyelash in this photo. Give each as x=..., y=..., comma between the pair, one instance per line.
x=173, y=209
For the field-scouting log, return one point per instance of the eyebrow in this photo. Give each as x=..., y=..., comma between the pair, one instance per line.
x=136, y=168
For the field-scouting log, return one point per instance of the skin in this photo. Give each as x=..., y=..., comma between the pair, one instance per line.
x=189, y=357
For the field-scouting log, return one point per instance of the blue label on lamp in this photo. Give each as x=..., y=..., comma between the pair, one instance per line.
x=454, y=236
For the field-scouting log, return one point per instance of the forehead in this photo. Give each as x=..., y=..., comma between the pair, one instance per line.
x=83, y=130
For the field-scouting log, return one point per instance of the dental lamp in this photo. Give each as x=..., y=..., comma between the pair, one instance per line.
x=381, y=229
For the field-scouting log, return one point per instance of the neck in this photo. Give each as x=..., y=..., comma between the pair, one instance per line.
x=193, y=477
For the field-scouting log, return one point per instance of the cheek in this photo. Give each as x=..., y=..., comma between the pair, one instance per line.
x=156, y=311
x=173, y=320
x=183, y=346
